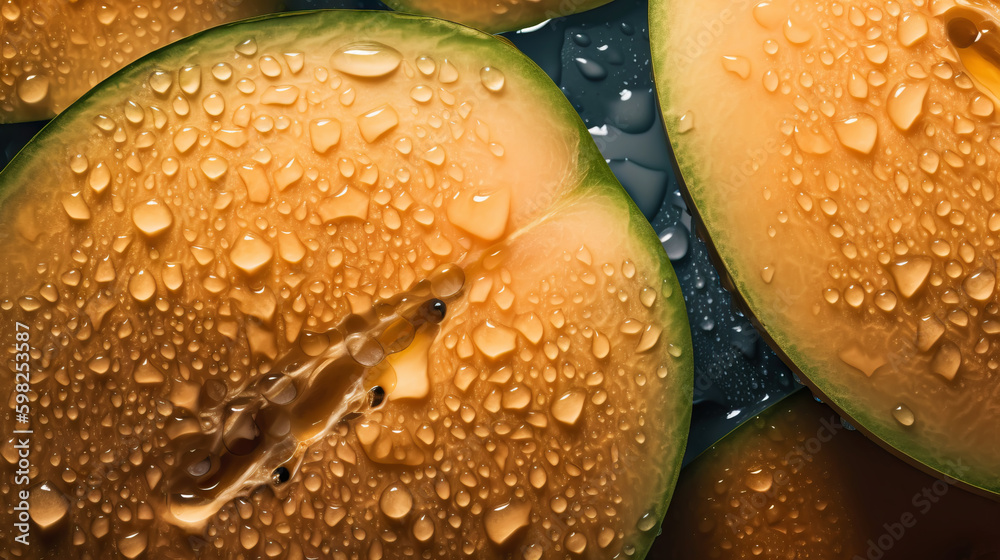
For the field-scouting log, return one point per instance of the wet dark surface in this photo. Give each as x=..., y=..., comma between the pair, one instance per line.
x=601, y=61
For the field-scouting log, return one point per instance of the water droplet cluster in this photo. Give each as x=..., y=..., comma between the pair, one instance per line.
x=85, y=42
x=279, y=310
x=872, y=197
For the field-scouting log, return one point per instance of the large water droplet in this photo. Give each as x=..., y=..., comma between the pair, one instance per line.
x=367, y=59
x=251, y=253
x=152, y=217
x=396, y=501
x=857, y=132
x=505, y=521
x=905, y=104
x=33, y=88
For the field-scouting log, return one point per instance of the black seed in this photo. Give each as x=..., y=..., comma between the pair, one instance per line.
x=378, y=395
x=281, y=475
x=433, y=311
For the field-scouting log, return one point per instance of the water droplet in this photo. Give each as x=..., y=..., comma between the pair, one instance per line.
x=912, y=28
x=152, y=217
x=947, y=361
x=857, y=132
x=675, y=242
x=492, y=78
x=796, y=32
x=33, y=88
x=759, y=480
x=222, y=71
x=686, y=122
x=214, y=167
x=189, y=78
x=885, y=300
x=214, y=104
x=248, y=47
x=423, y=528
x=590, y=69
x=324, y=134
x=738, y=65
x=483, y=214
x=367, y=59
x=568, y=407
x=147, y=374
x=396, y=501
x=911, y=274
x=47, y=505
x=250, y=253
x=99, y=178
x=505, y=521
x=446, y=281
x=905, y=104
x=576, y=542
x=768, y=15
x=903, y=415
x=494, y=340
x=76, y=208
x=980, y=285
x=377, y=122
x=448, y=73
x=142, y=286
x=133, y=544
x=364, y=349
x=811, y=141
x=280, y=95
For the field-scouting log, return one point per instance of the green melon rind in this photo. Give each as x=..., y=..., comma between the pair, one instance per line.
x=498, y=23
x=687, y=166
x=594, y=178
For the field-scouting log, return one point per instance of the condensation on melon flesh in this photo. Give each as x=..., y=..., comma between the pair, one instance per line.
x=794, y=482
x=495, y=16
x=53, y=51
x=339, y=300
x=844, y=159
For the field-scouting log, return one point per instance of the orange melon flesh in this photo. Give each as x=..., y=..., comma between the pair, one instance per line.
x=53, y=51
x=844, y=161
x=495, y=16
x=794, y=483
x=371, y=292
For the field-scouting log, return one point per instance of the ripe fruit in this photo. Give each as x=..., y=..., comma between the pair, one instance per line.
x=843, y=161
x=340, y=282
x=795, y=483
x=495, y=17
x=53, y=51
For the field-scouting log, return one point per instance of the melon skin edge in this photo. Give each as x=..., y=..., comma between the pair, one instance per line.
x=686, y=166
x=597, y=182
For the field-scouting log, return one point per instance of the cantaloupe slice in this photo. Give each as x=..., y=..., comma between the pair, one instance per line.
x=496, y=16
x=794, y=482
x=843, y=158
x=53, y=51
x=339, y=284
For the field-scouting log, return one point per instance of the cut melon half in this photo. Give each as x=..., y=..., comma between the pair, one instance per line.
x=844, y=160
x=52, y=51
x=496, y=16
x=372, y=292
x=794, y=482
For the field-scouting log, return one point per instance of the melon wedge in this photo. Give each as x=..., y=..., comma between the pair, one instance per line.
x=495, y=17
x=53, y=51
x=795, y=483
x=374, y=293
x=844, y=162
